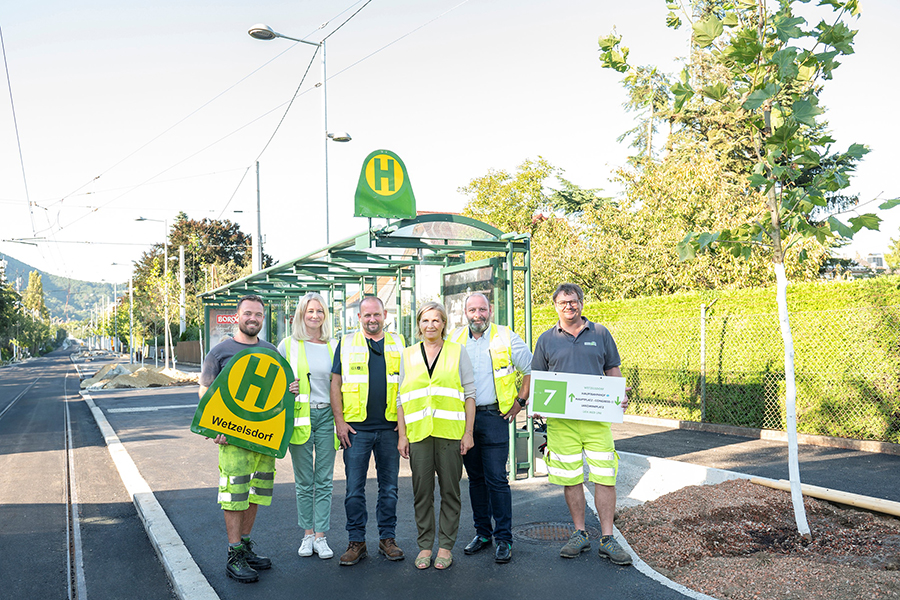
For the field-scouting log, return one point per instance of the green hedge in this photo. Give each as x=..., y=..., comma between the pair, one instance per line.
x=846, y=344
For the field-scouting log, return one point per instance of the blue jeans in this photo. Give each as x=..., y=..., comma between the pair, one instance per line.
x=383, y=444
x=488, y=484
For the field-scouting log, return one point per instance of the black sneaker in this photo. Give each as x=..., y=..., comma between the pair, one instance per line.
x=260, y=563
x=237, y=567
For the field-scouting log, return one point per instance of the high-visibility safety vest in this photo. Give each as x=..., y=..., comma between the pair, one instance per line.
x=501, y=363
x=295, y=352
x=355, y=375
x=435, y=405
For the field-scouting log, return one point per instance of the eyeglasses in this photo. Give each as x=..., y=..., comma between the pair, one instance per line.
x=565, y=303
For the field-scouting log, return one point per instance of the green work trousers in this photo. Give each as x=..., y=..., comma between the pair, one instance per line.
x=427, y=458
x=313, y=463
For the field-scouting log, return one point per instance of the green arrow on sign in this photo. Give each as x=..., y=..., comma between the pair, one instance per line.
x=571, y=397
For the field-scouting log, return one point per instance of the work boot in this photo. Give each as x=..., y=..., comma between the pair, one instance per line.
x=577, y=544
x=390, y=549
x=356, y=551
x=611, y=549
x=257, y=562
x=237, y=567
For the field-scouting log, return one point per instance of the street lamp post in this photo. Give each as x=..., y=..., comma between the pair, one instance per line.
x=130, y=312
x=264, y=32
x=165, y=283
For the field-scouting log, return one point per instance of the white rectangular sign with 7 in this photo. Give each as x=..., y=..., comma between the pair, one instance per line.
x=572, y=396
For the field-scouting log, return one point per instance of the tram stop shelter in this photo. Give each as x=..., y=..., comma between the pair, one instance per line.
x=434, y=256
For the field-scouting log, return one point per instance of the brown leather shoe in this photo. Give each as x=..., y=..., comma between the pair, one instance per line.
x=356, y=551
x=390, y=549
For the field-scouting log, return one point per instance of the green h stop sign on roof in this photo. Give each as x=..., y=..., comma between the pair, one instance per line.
x=384, y=189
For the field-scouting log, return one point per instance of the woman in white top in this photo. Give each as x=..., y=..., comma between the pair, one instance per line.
x=310, y=353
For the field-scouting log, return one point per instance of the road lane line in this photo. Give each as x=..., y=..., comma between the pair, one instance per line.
x=149, y=408
x=187, y=580
x=25, y=391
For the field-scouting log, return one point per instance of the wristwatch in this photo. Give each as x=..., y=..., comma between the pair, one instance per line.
x=522, y=401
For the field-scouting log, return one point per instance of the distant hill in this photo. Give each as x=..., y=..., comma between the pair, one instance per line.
x=66, y=299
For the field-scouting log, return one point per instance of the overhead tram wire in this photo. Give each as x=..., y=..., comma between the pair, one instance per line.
x=198, y=109
x=267, y=113
x=289, y=104
x=169, y=168
x=405, y=35
x=272, y=137
x=18, y=138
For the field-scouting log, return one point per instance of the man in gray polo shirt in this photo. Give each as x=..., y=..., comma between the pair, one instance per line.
x=576, y=345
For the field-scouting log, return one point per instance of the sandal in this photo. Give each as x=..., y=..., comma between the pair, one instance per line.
x=442, y=563
x=423, y=562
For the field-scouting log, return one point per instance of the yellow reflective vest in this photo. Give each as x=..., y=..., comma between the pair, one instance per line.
x=501, y=362
x=435, y=405
x=355, y=375
x=295, y=353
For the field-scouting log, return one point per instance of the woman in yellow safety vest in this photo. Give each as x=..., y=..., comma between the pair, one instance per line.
x=313, y=444
x=435, y=417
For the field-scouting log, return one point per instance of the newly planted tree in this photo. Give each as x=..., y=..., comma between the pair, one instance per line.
x=764, y=68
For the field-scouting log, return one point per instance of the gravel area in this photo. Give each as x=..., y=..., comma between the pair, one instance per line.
x=738, y=540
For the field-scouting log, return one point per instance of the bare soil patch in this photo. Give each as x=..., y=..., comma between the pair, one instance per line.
x=738, y=540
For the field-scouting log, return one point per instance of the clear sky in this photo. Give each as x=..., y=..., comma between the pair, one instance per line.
x=139, y=108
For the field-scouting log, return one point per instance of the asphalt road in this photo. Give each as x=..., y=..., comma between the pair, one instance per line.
x=181, y=469
x=36, y=542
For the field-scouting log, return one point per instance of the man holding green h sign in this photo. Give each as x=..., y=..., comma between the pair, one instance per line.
x=578, y=346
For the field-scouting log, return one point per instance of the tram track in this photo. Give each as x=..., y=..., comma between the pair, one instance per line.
x=77, y=588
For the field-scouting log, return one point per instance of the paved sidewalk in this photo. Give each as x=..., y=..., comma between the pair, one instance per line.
x=865, y=473
x=180, y=468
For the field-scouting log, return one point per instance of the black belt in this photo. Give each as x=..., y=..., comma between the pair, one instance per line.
x=494, y=406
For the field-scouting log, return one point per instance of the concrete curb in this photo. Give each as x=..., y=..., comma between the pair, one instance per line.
x=772, y=435
x=644, y=478
x=187, y=580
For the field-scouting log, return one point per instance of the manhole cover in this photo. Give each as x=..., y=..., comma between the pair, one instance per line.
x=549, y=532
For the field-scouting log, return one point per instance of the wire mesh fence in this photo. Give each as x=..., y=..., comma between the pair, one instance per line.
x=847, y=366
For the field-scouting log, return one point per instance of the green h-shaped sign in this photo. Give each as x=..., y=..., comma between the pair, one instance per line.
x=384, y=189
x=381, y=174
x=261, y=382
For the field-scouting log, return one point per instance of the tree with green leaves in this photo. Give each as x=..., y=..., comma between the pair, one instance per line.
x=892, y=256
x=33, y=298
x=765, y=71
x=525, y=202
x=216, y=252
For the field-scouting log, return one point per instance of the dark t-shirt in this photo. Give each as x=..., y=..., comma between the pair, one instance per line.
x=219, y=356
x=377, y=402
x=592, y=352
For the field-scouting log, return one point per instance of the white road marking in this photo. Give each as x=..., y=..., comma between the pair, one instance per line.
x=149, y=408
x=25, y=391
x=188, y=582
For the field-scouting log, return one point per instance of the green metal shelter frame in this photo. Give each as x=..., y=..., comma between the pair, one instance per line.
x=356, y=264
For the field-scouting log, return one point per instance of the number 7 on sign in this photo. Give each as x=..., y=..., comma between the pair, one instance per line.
x=549, y=397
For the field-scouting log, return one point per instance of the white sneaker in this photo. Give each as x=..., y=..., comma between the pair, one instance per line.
x=306, y=546
x=322, y=549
